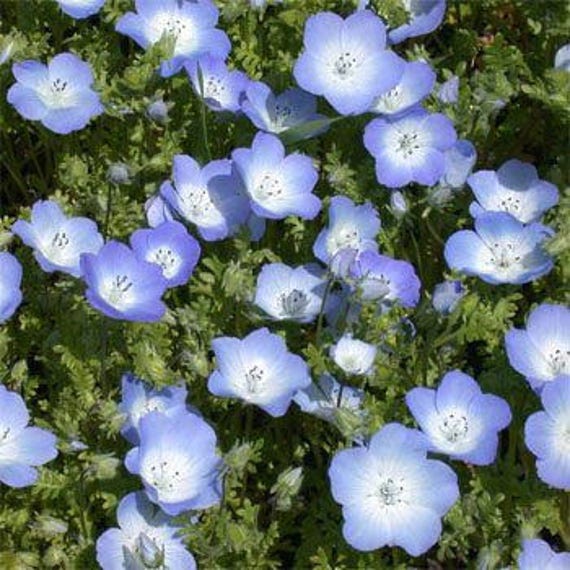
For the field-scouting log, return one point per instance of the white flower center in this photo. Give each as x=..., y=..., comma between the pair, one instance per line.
x=282, y=113
x=559, y=361
x=164, y=475
x=294, y=302
x=510, y=204
x=254, y=379
x=57, y=249
x=197, y=202
x=454, y=427
x=268, y=186
x=390, y=493
x=56, y=93
x=214, y=87
x=504, y=255
x=345, y=237
x=118, y=291
x=389, y=102
x=344, y=65
x=143, y=407
x=148, y=552
x=168, y=261
x=408, y=144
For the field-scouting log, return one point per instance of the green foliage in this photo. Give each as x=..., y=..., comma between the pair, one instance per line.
x=66, y=360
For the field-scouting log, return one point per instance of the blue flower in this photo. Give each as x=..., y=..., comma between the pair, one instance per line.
x=259, y=370
x=212, y=198
x=542, y=351
x=446, y=296
x=158, y=110
x=139, y=399
x=146, y=538
x=285, y=292
x=346, y=62
x=277, y=185
x=171, y=247
x=177, y=461
x=350, y=227
x=448, y=92
x=537, y=555
x=415, y=85
x=546, y=434
x=157, y=211
x=21, y=447
x=353, y=356
x=79, y=9
x=562, y=58
x=459, y=162
x=381, y=278
x=278, y=113
x=409, y=148
x=10, y=281
x=59, y=94
x=221, y=89
x=425, y=17
x=387, y=492
x=325, y=399
x=191, y=24
x=459, y=420
x=515, y=188
x=122, y=286
x=58, y=241
x=500, y=250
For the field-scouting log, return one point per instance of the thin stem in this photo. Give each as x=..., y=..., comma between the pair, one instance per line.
x=109, y=207
x=328, y=288
x=205, y=130
x=339, y=399
x=565, y=517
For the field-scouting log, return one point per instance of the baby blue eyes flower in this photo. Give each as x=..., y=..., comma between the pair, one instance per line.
x=387, y=492
x=459, y=420
x=350, y=227
x=285, y=292
x=425, y=17
x=191, y=24
x=79, y=9
x=157, y=211
x=547, y=434
x=277, y=185
x=221, y=89
x=446, y=296
x=171, y=247
x=459, y=162
x=59, y=94
x=542, y=351
x=259, y=370
x=325, y=399
x=381, y=278
x=562, y=58
x=409, y=148
x=21, y=448
x=353, y=356
x=212, y=198
x=537, y=555
x=146, y=538
x=177, y=461
x=278, y=113
x=58, y=241
x=448, y=92
x=515, y=188
x=10, y=281
x=500, y=250
x=346, y=62
x=122, y=286
x=139, y=399
x=415, y=85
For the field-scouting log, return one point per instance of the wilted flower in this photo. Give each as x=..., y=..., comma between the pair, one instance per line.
x=190, y=24
x=146, y=538
x=346, y=62
x=415, y=85
x=10, y=282
x=259, y=370
x=277, y=185
x=515, y=188
x=171, y=247
x=59, y=94
x=542, y=351
x=220, y=88
x=409, y=148
x=79, y=9
x=500, y=250
x=21, y=447
x=546, y=433
x=387, y=491
x=177, y=461
x=58, y=241
x=278, y=113
x=353, y=356
x=211, y=197
x=139, y=399
x=458, y=419
x=122, y=286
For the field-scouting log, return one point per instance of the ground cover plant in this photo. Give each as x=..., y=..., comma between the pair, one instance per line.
x=284, y=284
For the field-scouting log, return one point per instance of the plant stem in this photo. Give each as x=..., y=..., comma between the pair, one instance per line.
x=108, y=212
x=328, y=288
